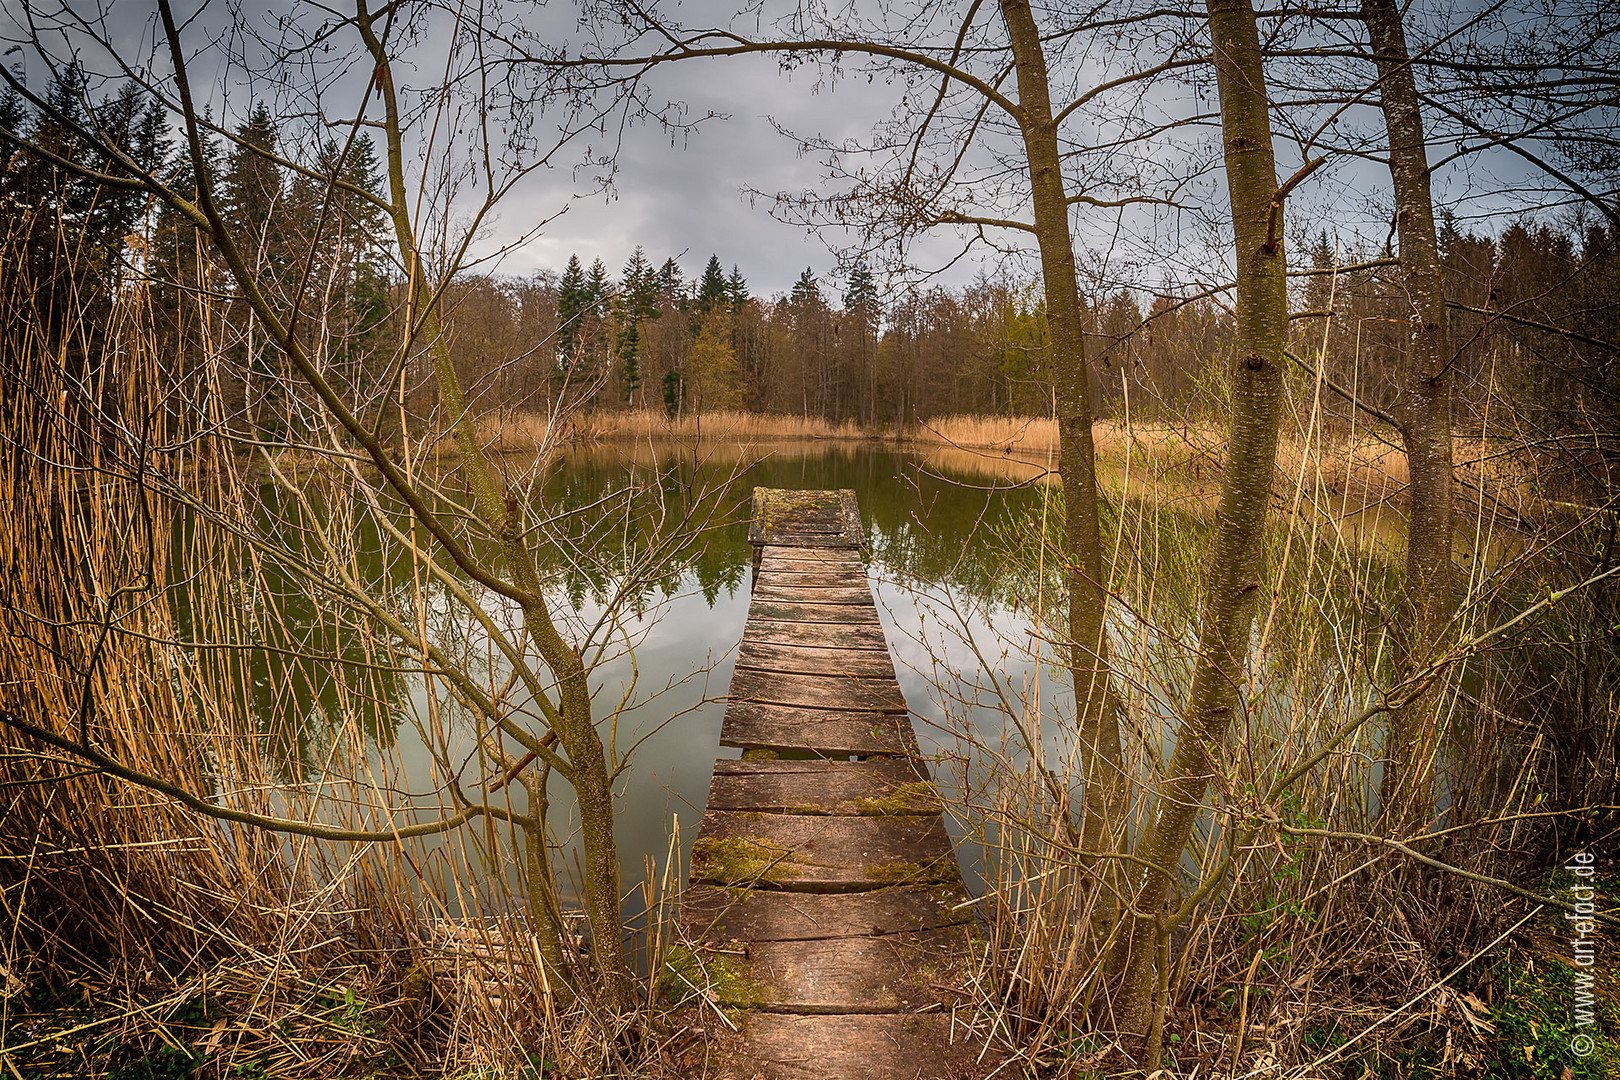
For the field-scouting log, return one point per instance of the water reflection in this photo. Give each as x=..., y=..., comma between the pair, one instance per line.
x=646, y=555
x=664, y=615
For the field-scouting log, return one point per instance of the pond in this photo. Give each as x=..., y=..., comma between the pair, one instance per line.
x=956, y=562
x=937, y=531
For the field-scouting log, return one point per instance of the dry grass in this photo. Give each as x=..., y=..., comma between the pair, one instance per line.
x=1025, y=436
x=147, y=939
x=1351, y=475
x=723, y=426
x=1309, y=942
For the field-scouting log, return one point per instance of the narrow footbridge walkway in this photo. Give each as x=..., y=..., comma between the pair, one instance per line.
x=825, y=898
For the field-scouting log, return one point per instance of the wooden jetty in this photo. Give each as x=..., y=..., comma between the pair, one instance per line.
x=828, y=913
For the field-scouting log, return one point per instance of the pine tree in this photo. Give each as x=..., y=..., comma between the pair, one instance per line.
x=572, y=301
x=805, y=290
x=334, y=232
x=672, y=393
x=639, y=286
x=179, y=263
x=712, y=287
x=253, y=192
x=861, y=293
x=736, y=289
x=807, y=319
x=670, y=284
x=1319, y=292
x=598, y=292
x=629, y=344
x=637, y=301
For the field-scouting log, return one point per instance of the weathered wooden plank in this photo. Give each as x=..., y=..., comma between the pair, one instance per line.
x=872, y=788
x=789, y=555
x=821, y=854
x=818, y=554
x=751, y=725
x=813, y=530
x=717, y=914
x=787, y=510
x=896, y=1046
x=765, y=656
x=888, y=974
x=813, y=594
x=877, y=693
x=835, y=541
x=856, y=614
x=826, y=896
x=765, y=631
x=822, y=577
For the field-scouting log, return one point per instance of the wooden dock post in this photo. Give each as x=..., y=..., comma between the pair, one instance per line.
x=825, y=897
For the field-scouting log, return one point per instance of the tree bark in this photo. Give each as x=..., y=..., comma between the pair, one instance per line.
x=1095, y=704
x=1408, y=788
x=500, y=510
x=1233, y=584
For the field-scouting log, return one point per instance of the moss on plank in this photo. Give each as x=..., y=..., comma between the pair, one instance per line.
x=913, y=873
x=917, y=797
x=717, y=977
x=742, y=859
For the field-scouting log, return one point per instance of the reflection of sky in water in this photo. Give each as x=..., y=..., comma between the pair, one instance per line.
x=684, y=651
x=940, y=582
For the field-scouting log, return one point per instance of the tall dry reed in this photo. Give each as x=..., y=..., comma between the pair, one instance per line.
x=1302, y=939
x=141, y=613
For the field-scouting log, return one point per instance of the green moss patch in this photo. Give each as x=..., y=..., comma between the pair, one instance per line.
x=912, y=873
x=742, y=860
x=717, y=977
x=917, y=797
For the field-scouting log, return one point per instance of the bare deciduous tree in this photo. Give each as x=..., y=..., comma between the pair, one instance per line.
x=480, y=560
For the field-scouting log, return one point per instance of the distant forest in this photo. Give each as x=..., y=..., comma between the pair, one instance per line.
x=1531, y=309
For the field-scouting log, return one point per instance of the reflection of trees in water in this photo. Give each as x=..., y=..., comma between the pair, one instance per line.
x=941, y=532
x=312, y=672
x=305, y=668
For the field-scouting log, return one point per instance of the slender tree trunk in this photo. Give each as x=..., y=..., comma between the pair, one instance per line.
x=502, y=512
x=1408, y=789
x=543, y=909
x=1233, y=584
x=1096, y=705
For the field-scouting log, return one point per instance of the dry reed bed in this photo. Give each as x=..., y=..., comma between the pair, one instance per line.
x=1262, y=978
x=145, y=938
x=1029, y=438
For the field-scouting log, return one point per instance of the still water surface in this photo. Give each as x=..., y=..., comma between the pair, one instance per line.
x=939, y=565
x=954, y=567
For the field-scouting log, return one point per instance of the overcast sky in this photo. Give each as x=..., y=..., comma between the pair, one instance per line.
x=688, y=200
x=686, y=197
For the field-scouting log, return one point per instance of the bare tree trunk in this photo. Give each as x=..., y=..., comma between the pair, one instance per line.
x=1096, y=705
x=542, y=895
x=1233, y=583
x=502, y=512
x=1408, y=788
